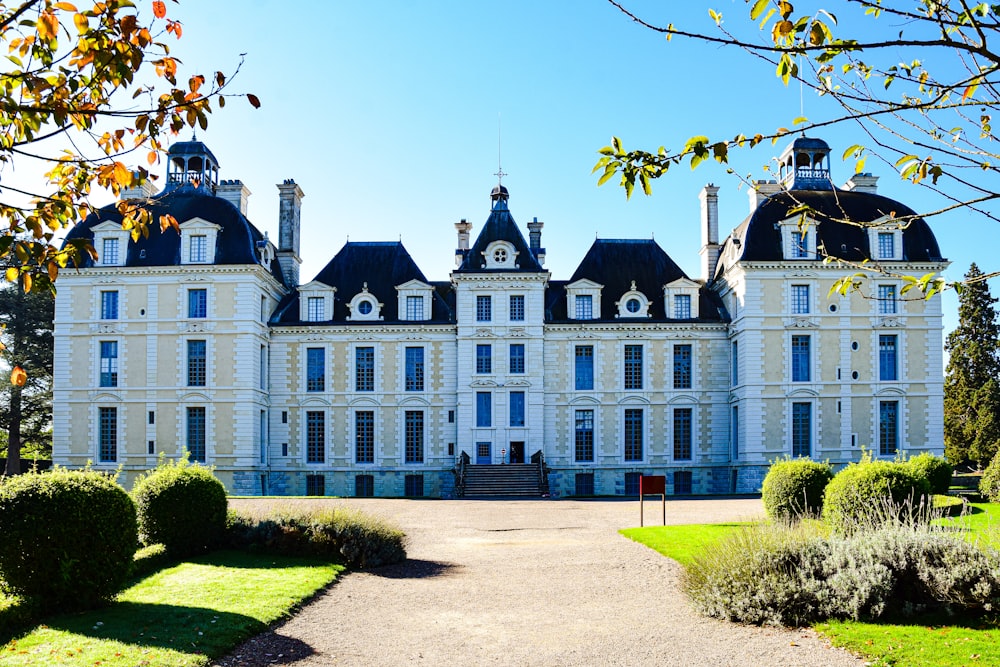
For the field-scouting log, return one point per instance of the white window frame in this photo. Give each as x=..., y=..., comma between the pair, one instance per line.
x=885, y=225
x=110, y=231
x=196, y=227
x=791, y=249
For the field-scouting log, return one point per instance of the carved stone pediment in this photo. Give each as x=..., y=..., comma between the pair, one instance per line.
x=889, y=323
x=801, y=323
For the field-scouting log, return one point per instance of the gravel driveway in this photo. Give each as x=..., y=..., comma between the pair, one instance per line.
x=534, y=582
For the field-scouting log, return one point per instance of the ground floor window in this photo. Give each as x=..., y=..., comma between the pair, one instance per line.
x=315, y=436
x=584, y=484
x=633, y=436
x=584, y=431
x=414, y=449
x=196, y=433
x=364, y=486
x=108, y=436
x=682, y=482
x=315, y=485
x=414, y=486
x=801, y=429
x=632, y=483
x=888, y=427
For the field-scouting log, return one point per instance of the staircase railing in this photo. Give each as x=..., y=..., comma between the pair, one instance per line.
x=543, y=472
x=459, y=470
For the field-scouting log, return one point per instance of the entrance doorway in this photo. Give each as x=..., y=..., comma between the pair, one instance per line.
x=484, y=453
x=517, y=452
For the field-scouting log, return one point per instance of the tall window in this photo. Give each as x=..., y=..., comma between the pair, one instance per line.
x=364, y=369
x=198, y=302
x=484, y=308
x=633, y=366
x=414, y=450
x=682, y=366
x=682, y=307
x=682, y=434
x=517, y=408
x=800, y=299
x=107, y=437
x=484, y=358
x=886, y=245
x=364, y=436
x=315, y=436
x=517, y=307
x=364, y=486
x=584, y=435
x=196, y=433
x=801, y=429
x=414, y=307
x=801, y=370
x=516, y=358
x=734, y=371
x=734, y=433
x=484, y=409
x=584, y=363
x=887, y=299
x=197, y=363
x=199, y=248
x=109, y=254
x=315, y=369
x=888, y=427
x=414, y=369
x=800, y=245
x=633, y=434
x=584, y=307
x=109, y=305
x=887, y=361
x=109, y=363
x=314, y=308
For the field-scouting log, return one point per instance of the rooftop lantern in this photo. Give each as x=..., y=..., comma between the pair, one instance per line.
x=805, y=165
x=191, y=163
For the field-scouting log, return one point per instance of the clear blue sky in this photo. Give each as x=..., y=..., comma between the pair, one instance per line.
x=386, y=113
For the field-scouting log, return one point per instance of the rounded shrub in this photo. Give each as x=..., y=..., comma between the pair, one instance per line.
x=870, y=493
x=935, y=469
x=68, y=538
x=181, y=506
x=794, y=488
x=989, y=485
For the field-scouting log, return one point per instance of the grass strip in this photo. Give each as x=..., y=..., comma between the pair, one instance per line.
x=184, y=615
x=682, y=543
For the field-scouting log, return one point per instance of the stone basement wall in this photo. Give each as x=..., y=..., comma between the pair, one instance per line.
x=710, y=481
x=387, y=483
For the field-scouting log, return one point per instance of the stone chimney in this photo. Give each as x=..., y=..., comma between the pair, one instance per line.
x=463, y=227
x=289, y=210
x=535, y=240
x=709, y=252
x=862, y=183
x=144, y=190
x=760, y=191
x=235, y=193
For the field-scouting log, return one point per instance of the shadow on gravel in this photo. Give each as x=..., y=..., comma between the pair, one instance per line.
x=269, y=648
x=415, y=569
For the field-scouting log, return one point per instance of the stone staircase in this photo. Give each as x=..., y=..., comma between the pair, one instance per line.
x=512, y=480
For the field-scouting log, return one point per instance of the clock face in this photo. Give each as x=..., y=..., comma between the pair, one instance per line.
x=365, y=307
x=499, y=255
x=633, y=305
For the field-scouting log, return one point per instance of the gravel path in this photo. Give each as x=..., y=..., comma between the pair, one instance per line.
x=526, y=583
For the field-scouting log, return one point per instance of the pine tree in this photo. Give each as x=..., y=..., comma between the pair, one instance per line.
x=974, y=360
x=27, y=342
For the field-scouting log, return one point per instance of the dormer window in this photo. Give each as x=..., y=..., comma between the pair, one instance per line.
x=111, y=242
x=316, y=302
x=414, y=298
x=365, y=307
x=798, y=239
x=500, y=255
x=682, y=307
x=886, y=242
x=583, y=300
x=198, y=241
x=680, y=299
x=633, y=304
x=584, y=307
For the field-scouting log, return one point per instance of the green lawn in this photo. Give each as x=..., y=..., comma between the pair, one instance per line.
x=927, y=641
x=183, y=615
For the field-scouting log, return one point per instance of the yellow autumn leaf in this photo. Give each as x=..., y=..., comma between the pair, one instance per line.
x=18, y=377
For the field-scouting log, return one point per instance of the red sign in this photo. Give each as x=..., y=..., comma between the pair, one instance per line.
x=652, y=484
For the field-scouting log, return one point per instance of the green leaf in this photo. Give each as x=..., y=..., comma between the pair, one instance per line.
x=758, y=8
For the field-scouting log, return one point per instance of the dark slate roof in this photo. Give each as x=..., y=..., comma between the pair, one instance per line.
x=760, y=240
x=235, y=243
x=615, y=263
x=383, y=266
x=500, y=226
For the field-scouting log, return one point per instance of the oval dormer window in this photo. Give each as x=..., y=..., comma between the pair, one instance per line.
x=365, y=307
x=633, y=305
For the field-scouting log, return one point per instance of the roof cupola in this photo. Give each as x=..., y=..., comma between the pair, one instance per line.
x=805, y=165
x=192, y=163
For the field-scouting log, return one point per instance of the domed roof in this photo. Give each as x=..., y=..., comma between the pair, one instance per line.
x=193, y=147
x=810, y=143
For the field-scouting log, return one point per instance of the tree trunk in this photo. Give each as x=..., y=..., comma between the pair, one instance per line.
x=14, y=433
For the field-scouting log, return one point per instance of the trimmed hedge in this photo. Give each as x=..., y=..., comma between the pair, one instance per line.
x=181, y=506
x=936, y=470
x=794, y=488
x=68, y=538
x=989, y=485
x=338, y=535
x=867, y=494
